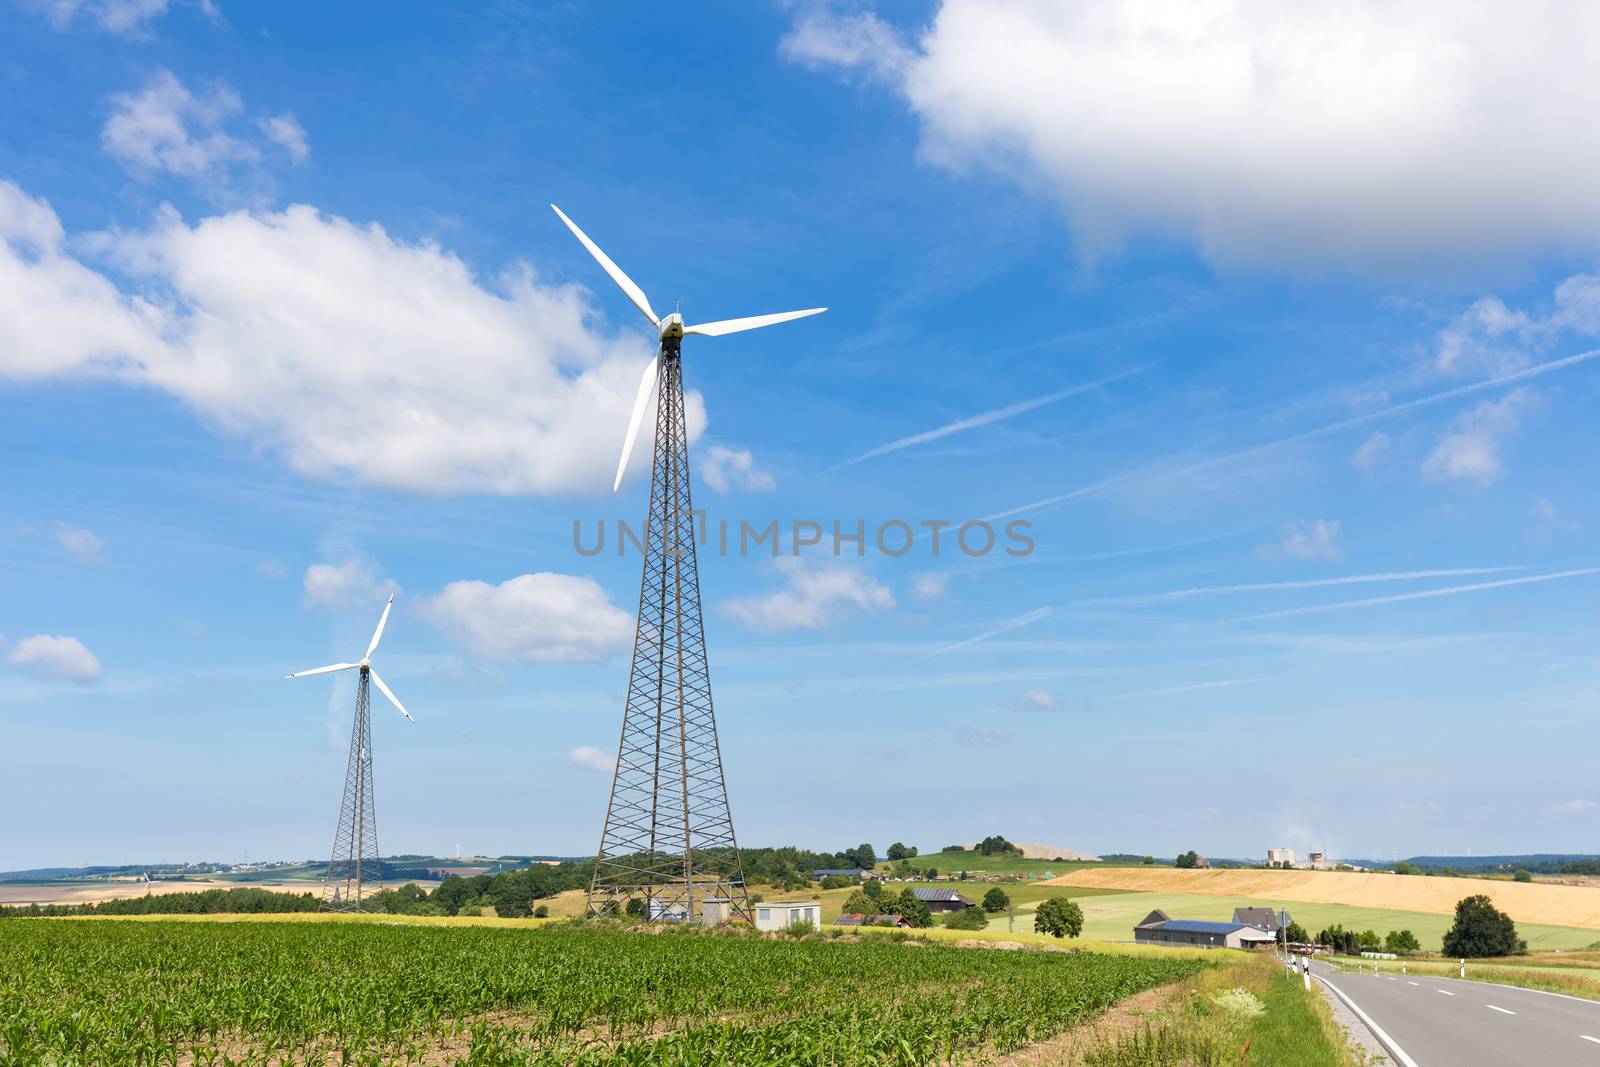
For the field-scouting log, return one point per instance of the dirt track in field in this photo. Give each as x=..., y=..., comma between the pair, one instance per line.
x=1530, y=902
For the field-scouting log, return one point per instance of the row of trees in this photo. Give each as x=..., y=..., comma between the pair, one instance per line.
x=1479, y=930
x=209, y=902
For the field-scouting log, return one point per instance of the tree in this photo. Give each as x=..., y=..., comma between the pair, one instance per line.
x=913, y=908
x=996, y=900
x=542, y=911
x=1148, y=860
x=1481, y=929
x=967, y=919
x=862, y=856
x=932, y=873
x=898, y=851
x=873, y=888
x=1404, y=868
x=1188, y=860
x=1296, y=934
x=996, y=846
x=860, y=903
x=1058, y=917
x=1368, y=941
x=1522, y=876
x=1401, y=941
x=954, y=848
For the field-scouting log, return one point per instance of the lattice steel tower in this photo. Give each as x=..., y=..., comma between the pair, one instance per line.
x=668, y=840
x=355, y=875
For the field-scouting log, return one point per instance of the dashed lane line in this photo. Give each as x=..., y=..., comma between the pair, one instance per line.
x=1413, y=983
x=1503, y=1011
x=1586, y=1037
x=1446, y=992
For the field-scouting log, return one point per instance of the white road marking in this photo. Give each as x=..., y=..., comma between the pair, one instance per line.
x=1503, y=1011
x=1389, y=1042
x=1586, y=1037
x=1413, y=983
x=1446, y=992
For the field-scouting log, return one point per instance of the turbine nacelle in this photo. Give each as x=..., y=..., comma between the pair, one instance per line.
x=670, y=329
x=366, y=663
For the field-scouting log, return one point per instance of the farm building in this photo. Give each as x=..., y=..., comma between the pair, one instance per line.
x=842, y=872
x=942, y=900
x=781, y=913
x=1160, y=929
x=1265, y=918
x=858, y=919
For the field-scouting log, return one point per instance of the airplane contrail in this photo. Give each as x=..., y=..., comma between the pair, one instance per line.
x=1309, y=583
x=1422, y=595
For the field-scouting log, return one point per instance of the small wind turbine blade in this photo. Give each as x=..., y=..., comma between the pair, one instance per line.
x=646, y=385
x=755, y=322
x=377, y=635
x=325, y=670
x=624, y=282
x=389, y=693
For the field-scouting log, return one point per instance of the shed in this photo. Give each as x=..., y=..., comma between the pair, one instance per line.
x=942, y=900
x=779, y=914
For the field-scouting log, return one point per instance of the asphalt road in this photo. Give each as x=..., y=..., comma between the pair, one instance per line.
x=1447, y=1022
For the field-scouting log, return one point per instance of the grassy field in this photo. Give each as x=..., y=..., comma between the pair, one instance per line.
x=379, y=992
x=1542, y=903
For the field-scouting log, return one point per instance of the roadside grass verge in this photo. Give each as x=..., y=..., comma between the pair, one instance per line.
x=1245, y=1011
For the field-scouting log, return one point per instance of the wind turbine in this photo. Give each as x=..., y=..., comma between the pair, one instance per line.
x=355, y=873
x=671, y=331
x=668, y=844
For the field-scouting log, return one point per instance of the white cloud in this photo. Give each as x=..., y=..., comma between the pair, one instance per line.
x=594, y=759
x=724, y=468
x=1037, y=699
x=930, y=585
x=860, y=40
x=81, y=544
x=1570, y=807
x=534, y=618
x=351, y=355
x=1470, y=449
x=1346, y=131
x=166, y=128
x=55, y=658
x=340, y=585
x=286, y=132
x=1373, y=451
x=812, y=596
x=1490, y=337
x=1315, y=539
x=128, y=18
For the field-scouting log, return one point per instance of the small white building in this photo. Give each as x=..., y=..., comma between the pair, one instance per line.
x=779, y=914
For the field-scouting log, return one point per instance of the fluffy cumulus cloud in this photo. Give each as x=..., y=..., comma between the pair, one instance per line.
x=812, y=596
x=1316, y=539
x=725, y=469
x=80, y=544
x=1470, y=448
x=352, y=356
x=533, y=618
x=1359, y=132
x=355, y=581
x=930, y=585
x=590, y=758
x=55, y=658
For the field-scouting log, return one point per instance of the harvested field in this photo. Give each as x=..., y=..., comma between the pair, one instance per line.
x=1530, y=902
x=98, y=892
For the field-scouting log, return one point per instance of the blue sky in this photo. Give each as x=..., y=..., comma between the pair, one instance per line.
x=1282, y=341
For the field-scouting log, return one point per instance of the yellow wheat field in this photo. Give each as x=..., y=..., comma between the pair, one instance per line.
x=1530, y=902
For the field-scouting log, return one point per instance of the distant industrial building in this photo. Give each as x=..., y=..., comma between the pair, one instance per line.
x=1158, y=928
x=942, y=900
x=1280, y=857
x=780, y=914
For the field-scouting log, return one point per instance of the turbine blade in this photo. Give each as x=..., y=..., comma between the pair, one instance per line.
x=624, y=282
x=377, y=635
x=755, y=322
x=389, y=693
x=646, y=385
x=325, y=670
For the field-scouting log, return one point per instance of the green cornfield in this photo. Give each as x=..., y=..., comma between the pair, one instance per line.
x=180, y=993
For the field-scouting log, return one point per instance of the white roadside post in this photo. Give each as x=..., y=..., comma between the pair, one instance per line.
x=1463, y=966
